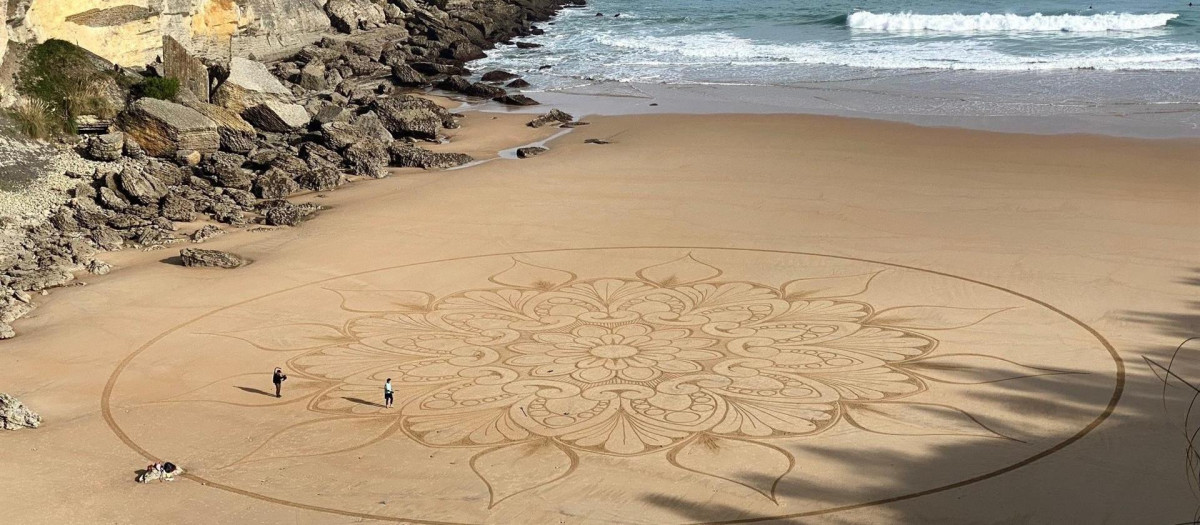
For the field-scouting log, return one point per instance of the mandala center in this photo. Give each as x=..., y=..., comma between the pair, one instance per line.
x=614, y=351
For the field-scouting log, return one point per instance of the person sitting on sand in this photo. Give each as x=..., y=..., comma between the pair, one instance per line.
x=278, y=378
x=159, y=471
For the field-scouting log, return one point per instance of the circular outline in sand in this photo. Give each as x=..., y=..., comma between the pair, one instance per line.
x=1118, y=388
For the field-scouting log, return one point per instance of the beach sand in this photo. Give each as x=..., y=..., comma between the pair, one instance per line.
x=973, y=310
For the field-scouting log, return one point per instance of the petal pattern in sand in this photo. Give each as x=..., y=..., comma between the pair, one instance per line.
x=548, y=367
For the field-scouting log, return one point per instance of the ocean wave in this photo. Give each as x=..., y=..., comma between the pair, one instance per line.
x=960, y=23
x=716, y=49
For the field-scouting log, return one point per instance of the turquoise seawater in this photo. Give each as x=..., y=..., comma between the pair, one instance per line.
x=778, y=42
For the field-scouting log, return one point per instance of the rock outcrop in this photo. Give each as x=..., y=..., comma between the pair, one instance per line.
x=197, y=258
x=349, y=16
x=140, y=187
x=516, y=100
x=179, y=63
x=553, y=117
x=404, y=155
x=164, y=128
x=250, y=84
x=107, y=147
x=411, y=116
x=233, y=156
x=14, y=415
x=236, y=135
x=276, y=116
x=531, y=151
x=131, y=32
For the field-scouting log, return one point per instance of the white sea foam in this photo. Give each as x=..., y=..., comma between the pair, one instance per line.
x=960, y=23
x=633, y=53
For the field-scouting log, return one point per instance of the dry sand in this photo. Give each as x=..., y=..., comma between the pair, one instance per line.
x=713, y=318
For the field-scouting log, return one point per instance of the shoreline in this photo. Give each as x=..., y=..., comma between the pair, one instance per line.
x=1134, y=120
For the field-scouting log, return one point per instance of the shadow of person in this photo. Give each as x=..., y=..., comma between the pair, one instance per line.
x=137, y=474
x=363, y=402
x=253, y=390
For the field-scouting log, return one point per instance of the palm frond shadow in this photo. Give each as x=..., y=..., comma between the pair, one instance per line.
x=1140, y=465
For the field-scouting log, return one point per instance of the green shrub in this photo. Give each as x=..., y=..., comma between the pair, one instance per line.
x=33, y=118
x=157, y=87
x=65, y=79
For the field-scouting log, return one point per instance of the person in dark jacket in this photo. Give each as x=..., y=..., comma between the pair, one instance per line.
x=278, y=378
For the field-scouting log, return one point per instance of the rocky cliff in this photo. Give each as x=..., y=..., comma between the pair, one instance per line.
x=241, y=135
x=130, y=32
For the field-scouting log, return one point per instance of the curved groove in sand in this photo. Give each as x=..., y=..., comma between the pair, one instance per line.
x=1118, y=388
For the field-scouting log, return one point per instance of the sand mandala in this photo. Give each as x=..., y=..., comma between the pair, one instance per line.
x=615, y=385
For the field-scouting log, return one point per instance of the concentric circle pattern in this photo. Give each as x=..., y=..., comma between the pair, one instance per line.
x=538, y=385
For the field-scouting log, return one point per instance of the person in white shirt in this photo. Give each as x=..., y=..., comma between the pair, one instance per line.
x=387, y=393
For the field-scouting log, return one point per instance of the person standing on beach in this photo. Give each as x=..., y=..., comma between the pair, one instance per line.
x=278, y=378
x=387, y=393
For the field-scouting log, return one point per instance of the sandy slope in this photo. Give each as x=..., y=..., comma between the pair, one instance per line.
x=1106, y=232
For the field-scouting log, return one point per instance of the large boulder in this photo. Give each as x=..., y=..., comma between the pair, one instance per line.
x=410, y=116
x=455, y=83
x=166, y=172
x=312, y=77
x=250, y=83
x=497, y=75
x=205, y=233
x=197, y=258
x=405, y=155
x=349, y=16
x=275, y=184
x=320, y=179
x=277, y=117
x=434, y=68
x=553, y=117
x=14, y=415
x=141, y=187
x=338, y=136
x=463, y=51
x=176, y=207
x=284, y=213
x=516, y=100
x=107, y=147
x=180, y=63
x=367, y=158
x=372, y=127
x=477, y=89
x=237, y=135
x=225, y=170
x=164, y=128
x=111, y=199
x=405, y=75
x=531, y=151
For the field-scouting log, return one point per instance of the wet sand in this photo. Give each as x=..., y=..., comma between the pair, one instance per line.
x=980, y=305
